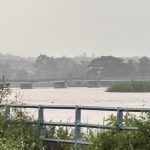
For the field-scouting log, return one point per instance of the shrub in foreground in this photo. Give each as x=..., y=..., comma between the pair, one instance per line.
x=18, y=136
x=124, y=140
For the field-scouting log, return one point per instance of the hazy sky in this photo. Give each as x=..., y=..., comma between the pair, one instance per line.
x=71, y=27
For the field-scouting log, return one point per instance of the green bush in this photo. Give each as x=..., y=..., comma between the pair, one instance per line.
x=130, y=86
x=59, y=133
x=18, y=136
x=15, y=134
x=124, y=140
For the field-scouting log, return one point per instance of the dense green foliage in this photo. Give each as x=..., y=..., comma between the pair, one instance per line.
x=124, y=140
x=130, y=86
x=18, y=136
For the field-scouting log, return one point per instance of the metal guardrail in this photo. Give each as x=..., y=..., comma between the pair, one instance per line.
x=77, y=124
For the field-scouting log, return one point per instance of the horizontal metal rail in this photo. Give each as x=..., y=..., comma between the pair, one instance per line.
x=77, y=124
x=74, y=106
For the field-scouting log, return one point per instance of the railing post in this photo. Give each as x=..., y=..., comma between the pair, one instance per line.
x=119, y=119
x=7, y=112
x=41, y=119
x=77, y=127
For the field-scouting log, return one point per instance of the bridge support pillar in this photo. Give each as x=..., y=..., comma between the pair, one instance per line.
x=60, y=84
x=26, y=86
x=93, y=83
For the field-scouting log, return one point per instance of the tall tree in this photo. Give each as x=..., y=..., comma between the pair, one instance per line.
x=109, y=67
x=46, y=67
x=144, y=67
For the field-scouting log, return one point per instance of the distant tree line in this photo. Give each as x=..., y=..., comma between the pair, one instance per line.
x=79, y=67
x=120, y=68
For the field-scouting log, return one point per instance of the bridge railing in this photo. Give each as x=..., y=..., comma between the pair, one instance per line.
x=77, y=124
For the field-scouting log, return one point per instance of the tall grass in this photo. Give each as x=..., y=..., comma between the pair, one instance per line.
x=130, y=86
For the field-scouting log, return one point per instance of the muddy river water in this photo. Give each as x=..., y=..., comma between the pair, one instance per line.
x=79, y=96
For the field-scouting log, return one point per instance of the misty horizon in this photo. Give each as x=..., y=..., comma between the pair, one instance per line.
x=70, y=28
x=84, y=54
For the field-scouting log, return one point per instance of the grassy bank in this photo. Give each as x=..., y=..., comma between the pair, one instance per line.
x=130, y=86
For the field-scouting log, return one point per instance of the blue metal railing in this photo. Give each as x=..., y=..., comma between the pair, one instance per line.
x=77, y=124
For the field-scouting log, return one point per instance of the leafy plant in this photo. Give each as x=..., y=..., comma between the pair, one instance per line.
x=4, y=90
x=16, y=135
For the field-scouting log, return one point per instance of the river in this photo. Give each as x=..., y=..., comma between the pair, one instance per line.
x=79, y=96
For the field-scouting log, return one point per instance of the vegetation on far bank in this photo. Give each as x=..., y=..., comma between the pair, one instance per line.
x=81, y=67
x=130, y=86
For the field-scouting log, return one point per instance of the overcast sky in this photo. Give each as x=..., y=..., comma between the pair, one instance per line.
x=71, y=27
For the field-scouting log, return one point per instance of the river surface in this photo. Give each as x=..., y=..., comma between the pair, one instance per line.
x=79, y=96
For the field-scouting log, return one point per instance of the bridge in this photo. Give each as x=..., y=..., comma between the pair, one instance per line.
x=60, y=79
x=63, y=82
